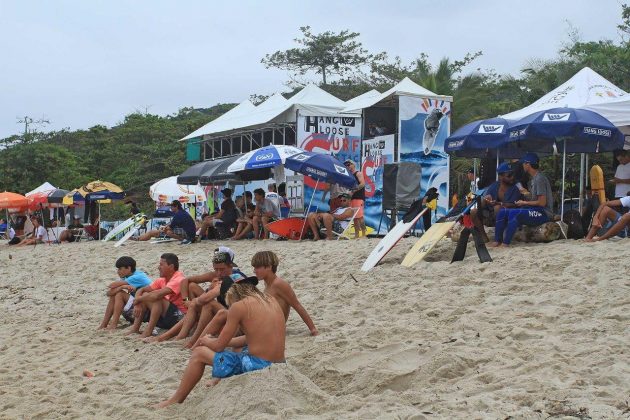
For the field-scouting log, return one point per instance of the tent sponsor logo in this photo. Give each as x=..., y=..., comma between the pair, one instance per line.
x=490, y=128
x=556, y=117
x=456, y=143
x=340, y=169
x=517, y=133
x=266, y=156
x=314, y=171
x=598, y=131
x=301, y=157
x=329, y=125
x=348, y=121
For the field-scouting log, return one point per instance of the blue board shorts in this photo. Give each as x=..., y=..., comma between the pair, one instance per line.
x=610, y=224
x=229, y=363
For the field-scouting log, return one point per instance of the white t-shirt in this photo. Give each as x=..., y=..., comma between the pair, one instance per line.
x=41, y=234
x=622, y=172
x=625, y=201
x=342, y=223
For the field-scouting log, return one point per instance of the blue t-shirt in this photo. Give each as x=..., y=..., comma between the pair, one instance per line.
x=138, y=279
x=182, y=220
x=511, y=195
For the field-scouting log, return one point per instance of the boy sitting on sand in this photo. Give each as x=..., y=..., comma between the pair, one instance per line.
x=265, y=265
x=120, y=291
x=260, y=318
x=160, y=304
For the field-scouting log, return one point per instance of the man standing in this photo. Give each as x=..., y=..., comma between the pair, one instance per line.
x=357, y=200
x=534, y=211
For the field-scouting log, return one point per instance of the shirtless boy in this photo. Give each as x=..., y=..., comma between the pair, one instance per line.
x=265, y=265
x=260, y=318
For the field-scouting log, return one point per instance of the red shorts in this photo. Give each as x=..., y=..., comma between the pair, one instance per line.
x=358, y=203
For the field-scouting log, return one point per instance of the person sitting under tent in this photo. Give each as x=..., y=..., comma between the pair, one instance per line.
x=608, y=223
x=337, y=221
x=500, y=194
x=245, y=223
x=73, y=230
x=39, y=234
x=533, y=212
x=223, y=221
x=6, y=231
x=182, y=226
x=266, y=211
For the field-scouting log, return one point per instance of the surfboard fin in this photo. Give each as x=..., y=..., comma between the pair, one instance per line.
x=480, y=245
x=462, y=244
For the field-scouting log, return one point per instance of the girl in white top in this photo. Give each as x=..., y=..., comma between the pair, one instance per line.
x=39, y=235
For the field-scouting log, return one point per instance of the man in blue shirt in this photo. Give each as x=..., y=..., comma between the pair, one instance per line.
x=500, y=194
x=182, y=226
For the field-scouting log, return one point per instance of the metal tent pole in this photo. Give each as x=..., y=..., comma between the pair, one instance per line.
x=564, y=164
x=581, y=192
x=308, y=208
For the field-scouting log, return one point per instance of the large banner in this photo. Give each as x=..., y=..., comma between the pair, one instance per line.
x=336, y=135
x=376, y=152
x=424, y=125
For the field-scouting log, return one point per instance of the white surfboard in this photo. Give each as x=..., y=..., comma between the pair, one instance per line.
x=162, y=240
x=131, y=232
x=117, y=230
x=390, y=240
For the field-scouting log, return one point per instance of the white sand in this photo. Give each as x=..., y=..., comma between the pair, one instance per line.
x=542, y=331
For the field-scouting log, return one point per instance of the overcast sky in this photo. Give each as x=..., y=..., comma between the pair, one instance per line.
x=82, y=63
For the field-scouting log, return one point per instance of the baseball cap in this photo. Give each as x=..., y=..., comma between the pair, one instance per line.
x=530, y=157
x=223, y=254
x=227, y=282
x=471, y=171
x=77, y=217
x=349, y=161
x=504, y=167
x=344, y=195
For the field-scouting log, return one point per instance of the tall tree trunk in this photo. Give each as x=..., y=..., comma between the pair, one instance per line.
x=324, y=74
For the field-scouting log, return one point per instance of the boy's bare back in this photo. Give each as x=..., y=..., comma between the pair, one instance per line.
x=264, y=326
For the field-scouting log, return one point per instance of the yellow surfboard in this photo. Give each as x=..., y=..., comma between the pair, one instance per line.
x=350, y=232
x=426, y=243
x=598, y=185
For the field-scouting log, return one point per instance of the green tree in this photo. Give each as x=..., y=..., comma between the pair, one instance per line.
x=328, y=54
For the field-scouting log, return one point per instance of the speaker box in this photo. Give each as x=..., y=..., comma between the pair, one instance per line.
x=408, y=184
x=390, y=172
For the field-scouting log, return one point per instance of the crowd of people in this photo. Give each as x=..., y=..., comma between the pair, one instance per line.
x=232, y=325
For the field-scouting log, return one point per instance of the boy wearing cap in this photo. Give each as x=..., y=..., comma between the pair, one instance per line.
x=260, y=318
x=501, y=193
x=182, y=226
x=534, y=211
x=357, y=200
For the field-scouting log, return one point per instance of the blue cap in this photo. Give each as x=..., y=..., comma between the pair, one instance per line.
x=504, y=167
x=530, y=158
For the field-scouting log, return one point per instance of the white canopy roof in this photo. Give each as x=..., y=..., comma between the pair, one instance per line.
x=405, y=87
x=167, y=189
x=586, y=89
x=275, y=109
x=46, y=186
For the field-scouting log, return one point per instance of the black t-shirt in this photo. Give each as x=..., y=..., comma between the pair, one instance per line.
x=230, y=213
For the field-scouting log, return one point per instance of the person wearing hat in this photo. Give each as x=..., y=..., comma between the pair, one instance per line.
x=182, y=226
x=334, y=221
x=224, y=221
x=357, y=200
x=501, y=193
x=534, y=210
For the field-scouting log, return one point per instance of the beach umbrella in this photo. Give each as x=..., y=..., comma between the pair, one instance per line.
x=570, y=129
x=101, y=190
x=320, y=167
x=483, y=138
x=191, y=175
x=167, y=190
x=38, y=200
x=56, y=196
x=73, y=197
x=220, y=174
x=265, y=157
x=10, y=200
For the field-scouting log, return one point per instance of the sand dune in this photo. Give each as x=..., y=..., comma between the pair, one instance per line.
x=544, y=330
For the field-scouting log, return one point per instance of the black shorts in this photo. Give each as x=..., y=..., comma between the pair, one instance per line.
x=172, y=316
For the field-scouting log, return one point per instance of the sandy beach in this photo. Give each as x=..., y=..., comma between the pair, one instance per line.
x=542, y=331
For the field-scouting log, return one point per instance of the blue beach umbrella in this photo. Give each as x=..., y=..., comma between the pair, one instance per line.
x=570, y=129
x=482, y=138
x=265, y=157
x=321, y=167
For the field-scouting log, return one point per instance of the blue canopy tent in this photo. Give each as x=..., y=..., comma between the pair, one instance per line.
x=483, y=138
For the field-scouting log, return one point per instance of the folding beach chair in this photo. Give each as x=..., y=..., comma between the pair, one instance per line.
x=343, y=233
